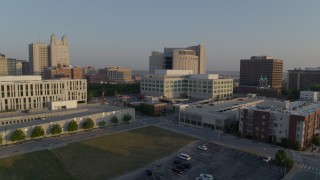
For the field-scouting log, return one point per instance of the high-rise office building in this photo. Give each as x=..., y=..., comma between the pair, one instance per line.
x=42, y=55
x=261, y=71
x=190, y=58
x=59, y=51
x=303, y=79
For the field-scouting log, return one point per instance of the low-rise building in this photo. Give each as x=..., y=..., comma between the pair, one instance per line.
x=30, y=92
x=117, y=74
x=183, y=83
x=218, y=116
x=274, y=120
x=63, y=71
x=309, y=96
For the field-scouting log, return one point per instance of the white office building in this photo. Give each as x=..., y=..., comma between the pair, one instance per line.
x=30, y=92
x=183, y=83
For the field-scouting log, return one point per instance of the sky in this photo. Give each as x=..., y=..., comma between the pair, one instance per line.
x=124, y=32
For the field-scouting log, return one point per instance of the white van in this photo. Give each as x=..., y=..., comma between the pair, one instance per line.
x=184, y=156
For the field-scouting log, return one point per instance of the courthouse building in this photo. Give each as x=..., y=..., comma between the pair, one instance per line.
x=30, y=92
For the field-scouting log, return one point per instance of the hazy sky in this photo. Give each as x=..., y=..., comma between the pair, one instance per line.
x=124, y=32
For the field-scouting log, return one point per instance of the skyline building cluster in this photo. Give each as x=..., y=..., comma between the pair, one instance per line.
x=42, y=55
x=190, y=58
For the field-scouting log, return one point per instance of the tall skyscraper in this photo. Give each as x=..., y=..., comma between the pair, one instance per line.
x=42, y=55
x=261, y=71
x=38, y=58
x=190, y=58
x=59, y=51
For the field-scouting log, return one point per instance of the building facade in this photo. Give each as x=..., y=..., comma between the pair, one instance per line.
x=112, y=74
x=309, y=96
x=303, y=79
x=42, y=55
x=117, y=74
x=296, y=121
x=261, y=71
x=183, y=83
x=30, y=92
x=59, y=51
x=190, y=58
x=61, y=71
x=9, y=66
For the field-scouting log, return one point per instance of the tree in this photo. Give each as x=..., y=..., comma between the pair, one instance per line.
x=56, y=129
x=274, y=139
x=315, y=87
x=316, y=140
x=285, y=142
x=126, y=118
x=114, y=120
x=281, y=156
x=88, y=124
x=254, y=137
x=37, y=132
x=72, y=126
x=102, y=123
x=0, y=139
x=289, y=163
x=18, y=135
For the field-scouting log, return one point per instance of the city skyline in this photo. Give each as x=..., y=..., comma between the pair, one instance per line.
x=125, y=33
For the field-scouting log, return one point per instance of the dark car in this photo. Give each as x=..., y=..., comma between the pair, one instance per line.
x=180, y=166
x=176, y=162
x=148, y=172
x=186, y=165
x=177, y=170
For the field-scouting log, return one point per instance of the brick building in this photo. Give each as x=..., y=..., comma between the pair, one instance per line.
x=295, y=121
x=63, y=72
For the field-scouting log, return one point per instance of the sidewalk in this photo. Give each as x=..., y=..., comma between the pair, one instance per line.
x=293, y=171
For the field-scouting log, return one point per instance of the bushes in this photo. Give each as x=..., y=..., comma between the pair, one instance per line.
x=88, y=124
x=114, y=120
x=72, y=126
x=37, y=132
x=56, y=129
x=18, y=135
x=126, y=118
x=102, y=123
x=316, y=140
x=282, y=159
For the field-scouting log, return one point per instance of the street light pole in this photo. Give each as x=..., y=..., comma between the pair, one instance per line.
x=5, y=134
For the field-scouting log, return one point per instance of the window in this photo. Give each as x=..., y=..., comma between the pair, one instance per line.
x=279, y=132
x=275, y=125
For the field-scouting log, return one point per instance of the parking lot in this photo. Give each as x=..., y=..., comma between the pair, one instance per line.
x=221, y=163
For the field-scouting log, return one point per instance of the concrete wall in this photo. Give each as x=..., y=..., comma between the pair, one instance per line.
x=27, y=128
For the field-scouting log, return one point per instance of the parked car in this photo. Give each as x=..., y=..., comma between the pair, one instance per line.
x=177, y=170
x=208, y=176
x=180, y=166
x=184, y=156
x=148, y=172
x=203, y=147
x=176, y=162
x=186, y=165
x=266, y=159
x=201, y=178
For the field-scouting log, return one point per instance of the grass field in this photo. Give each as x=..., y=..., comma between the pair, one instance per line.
x=97, y=158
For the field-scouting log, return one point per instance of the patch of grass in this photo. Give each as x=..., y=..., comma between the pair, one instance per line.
x=97, y=158
x=37, y=165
